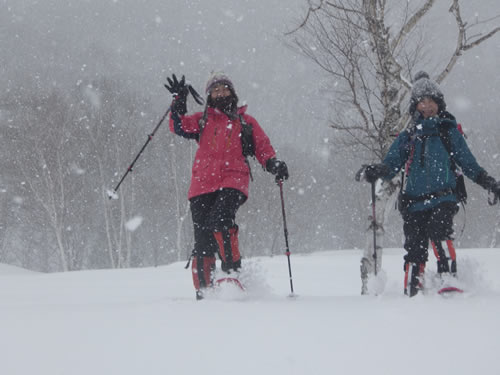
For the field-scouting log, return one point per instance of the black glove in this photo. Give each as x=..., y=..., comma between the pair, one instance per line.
x=496, y=190
x=278, y=168
x=485, y=181
x=490, y=184
x=375, y=171
x=180, y=92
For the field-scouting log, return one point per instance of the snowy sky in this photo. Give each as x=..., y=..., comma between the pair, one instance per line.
x=147, y=40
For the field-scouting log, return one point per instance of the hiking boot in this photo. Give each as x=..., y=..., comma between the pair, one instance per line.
x=199, y=295
x=453, y=268
x=443, y=265
x=413, y=274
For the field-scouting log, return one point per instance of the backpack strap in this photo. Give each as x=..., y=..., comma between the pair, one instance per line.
x=203, y=120
x=247, y=144
x=460, y=191
x=444, y=134
x=405, y=171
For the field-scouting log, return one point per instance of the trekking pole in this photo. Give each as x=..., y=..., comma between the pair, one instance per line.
x=112, y=194
x=280, y=184
x=374, y=226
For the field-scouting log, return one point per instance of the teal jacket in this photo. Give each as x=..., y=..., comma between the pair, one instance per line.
x=429, y=161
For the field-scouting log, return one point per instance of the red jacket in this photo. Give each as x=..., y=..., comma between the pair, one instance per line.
x=219, y=161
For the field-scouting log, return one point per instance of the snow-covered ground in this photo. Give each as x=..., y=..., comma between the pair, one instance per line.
x=146, y=321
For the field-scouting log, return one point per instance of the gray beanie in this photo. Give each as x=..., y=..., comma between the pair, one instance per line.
x=218, y=78
x=424, y=87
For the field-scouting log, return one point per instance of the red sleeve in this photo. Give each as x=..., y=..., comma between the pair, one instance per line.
x=183, y=125
x=263, y=149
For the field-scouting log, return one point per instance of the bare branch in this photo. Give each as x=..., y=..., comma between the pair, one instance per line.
x=343, y=9
x=480, y=40
x=412, y=22
x=462, y=44
x=310, y=11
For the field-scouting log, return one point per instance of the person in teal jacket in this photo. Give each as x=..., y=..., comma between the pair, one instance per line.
x=429, y=150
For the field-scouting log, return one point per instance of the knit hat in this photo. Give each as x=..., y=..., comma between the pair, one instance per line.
x=218, y=78
x=424, y=87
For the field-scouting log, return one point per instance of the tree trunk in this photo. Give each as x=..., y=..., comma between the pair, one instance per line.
x=385, y=199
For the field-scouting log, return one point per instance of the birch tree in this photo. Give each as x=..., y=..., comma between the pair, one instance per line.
x=370, y=50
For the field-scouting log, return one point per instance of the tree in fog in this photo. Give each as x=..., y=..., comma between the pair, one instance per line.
x=41, y=144
x=107, y=116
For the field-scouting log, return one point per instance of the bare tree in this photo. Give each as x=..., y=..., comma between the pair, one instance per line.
x=179, y=197
x=108, y=117
x=45, y=134
x=370, y=49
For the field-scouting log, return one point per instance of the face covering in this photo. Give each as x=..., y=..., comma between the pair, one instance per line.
x=225, y=104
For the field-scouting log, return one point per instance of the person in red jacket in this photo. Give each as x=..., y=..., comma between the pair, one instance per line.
x=220, y=173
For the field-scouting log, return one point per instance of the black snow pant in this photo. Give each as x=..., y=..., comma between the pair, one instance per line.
x=435, y=224
x=213, y=217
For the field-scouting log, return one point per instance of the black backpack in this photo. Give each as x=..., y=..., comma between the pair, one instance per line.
x=459, y=190
x=247, y=143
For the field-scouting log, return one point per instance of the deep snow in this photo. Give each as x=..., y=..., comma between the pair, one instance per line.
x=146, y=321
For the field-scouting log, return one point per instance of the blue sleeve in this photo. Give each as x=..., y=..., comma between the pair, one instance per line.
x=397, y=155
x=463, y=156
